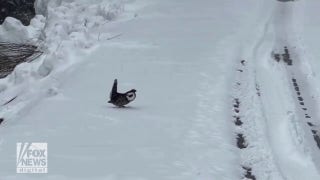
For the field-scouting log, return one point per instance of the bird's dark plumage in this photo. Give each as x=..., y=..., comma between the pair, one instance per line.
x=121, y=99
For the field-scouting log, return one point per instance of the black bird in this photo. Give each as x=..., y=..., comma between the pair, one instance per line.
x=121, y=99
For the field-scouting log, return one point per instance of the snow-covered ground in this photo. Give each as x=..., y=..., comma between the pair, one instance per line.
x=212, y=101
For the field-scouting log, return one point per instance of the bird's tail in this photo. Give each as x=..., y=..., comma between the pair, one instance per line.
x=114, y=89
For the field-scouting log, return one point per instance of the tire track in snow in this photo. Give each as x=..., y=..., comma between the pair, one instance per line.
x=241, y=140
x=256, y=158
x=287, y=135
x=305, y=104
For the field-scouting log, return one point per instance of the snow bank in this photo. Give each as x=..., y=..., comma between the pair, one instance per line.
x=69, y=26
x=60, y=29
x=12, y=30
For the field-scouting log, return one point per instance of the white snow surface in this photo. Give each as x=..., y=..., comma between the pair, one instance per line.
x=183, y=58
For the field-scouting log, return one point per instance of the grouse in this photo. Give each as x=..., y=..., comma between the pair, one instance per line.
x=121, y=99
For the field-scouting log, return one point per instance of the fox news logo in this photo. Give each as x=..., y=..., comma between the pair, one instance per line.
x=32, y=158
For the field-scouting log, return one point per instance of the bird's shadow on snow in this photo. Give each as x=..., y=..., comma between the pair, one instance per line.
x=125, y=108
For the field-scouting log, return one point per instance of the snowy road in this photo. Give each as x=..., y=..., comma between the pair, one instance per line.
x=174, y=55
x=212, y=101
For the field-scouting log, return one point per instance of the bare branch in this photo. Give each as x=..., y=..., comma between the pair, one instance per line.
x=12, y=54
